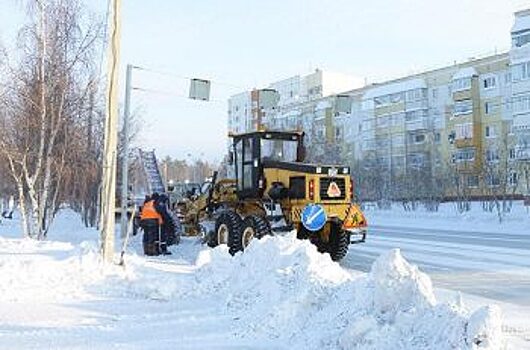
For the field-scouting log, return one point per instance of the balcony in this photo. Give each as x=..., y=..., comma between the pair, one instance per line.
x=464, y=143
x=419, y=104
x=462, y=95
x=522, y=153
x=418, y=124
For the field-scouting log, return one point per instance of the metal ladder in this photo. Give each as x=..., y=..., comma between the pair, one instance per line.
x=150, y=166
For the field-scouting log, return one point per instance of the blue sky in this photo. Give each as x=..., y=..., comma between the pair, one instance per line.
x=243, y=44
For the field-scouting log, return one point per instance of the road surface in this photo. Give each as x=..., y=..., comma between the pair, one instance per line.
x=486, y=264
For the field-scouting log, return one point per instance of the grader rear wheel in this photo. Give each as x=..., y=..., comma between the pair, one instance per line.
x=254, y=226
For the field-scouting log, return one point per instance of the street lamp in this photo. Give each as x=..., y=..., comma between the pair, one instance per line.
x=125, y=160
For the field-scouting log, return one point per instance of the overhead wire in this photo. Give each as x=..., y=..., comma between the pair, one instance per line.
x=173, y=94
x=184, y=77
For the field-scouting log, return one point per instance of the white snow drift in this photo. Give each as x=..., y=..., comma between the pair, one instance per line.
x=280, y=291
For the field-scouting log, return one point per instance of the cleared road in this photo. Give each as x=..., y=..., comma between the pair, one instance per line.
x=487, y=264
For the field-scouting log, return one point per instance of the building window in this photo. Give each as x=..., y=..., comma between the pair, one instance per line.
x=338, y=133
x=464, y=155
x=512, y=178
x=511, y=153
x=521, y=39
x=492, y=180
x=463, y=107
x=488, y=108
x=437, y=137
x=472, y=181
x=416, y=94
x=416, y=160
x=414, y=116
x=417, y=138
x=383, y=161
x=490, y=82
x=509, y=126
x=382, y=121
x=521, y=104
x=492, y=155
x=521, y=71
x=397, y=119
x=437, y=160
x=434, y=94
x=464, y=131
x=490, y=131
x=461, y=84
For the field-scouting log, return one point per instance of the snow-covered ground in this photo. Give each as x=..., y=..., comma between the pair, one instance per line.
x=280, y=294
x=472, y=253
x=517, y=221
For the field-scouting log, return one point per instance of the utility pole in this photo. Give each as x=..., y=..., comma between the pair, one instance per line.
x=125, y=160
x=108, y=188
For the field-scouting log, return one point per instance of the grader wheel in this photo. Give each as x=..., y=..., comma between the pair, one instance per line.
x=254, y=226
x=336, y=242
x=227, y=225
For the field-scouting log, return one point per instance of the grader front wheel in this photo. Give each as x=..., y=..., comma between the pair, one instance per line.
x=337, y=242
x=227, y=225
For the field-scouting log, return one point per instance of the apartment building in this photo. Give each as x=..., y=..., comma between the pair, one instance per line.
x=470, y=119
x=283, y=103
x=469, y=122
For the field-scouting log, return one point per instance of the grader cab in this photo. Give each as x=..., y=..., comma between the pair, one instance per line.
x=274, y=191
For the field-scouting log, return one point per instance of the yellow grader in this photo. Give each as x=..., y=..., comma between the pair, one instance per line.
x=271, y=191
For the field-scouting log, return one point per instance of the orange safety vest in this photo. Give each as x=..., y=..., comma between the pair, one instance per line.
x=149, y=212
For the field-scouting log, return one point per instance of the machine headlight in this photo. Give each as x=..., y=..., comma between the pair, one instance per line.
x=333, y=172
x=345, y=171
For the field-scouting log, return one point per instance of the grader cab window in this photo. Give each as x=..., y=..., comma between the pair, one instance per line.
x=279, y=150
x=245, y=163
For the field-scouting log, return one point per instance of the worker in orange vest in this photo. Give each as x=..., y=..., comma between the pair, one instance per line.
x=151, y=222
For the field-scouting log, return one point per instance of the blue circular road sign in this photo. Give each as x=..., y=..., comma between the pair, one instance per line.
x=314, y=217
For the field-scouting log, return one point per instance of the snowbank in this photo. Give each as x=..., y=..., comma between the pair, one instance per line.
x=447, y=217
x=280, y=291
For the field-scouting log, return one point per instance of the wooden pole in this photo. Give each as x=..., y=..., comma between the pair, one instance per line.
x=108, y=188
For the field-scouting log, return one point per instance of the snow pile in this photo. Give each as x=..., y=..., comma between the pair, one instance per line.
x=395, y=308
x=65, y=274
x=398, y=286
x=282, y=289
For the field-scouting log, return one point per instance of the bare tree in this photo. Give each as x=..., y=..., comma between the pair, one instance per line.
x=48, y=138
